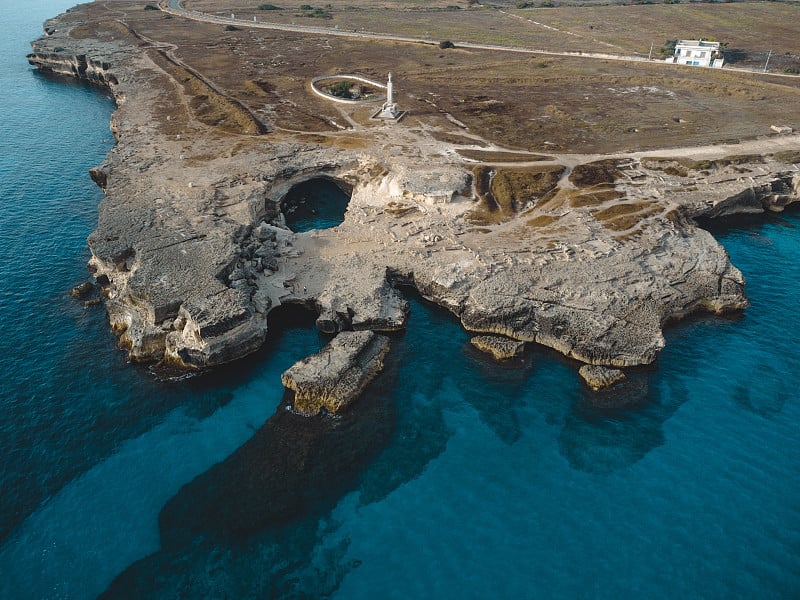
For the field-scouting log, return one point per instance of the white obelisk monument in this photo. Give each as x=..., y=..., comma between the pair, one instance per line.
x=389, y=109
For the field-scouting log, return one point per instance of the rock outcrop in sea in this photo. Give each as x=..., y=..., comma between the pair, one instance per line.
x=598, y=378
x=192, y=252
x=500, y=347
x=331, y=379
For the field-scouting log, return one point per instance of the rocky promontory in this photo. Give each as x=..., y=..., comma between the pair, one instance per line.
x=590, y=255
x=331, y=379
x=500, y=347
x=598, y=378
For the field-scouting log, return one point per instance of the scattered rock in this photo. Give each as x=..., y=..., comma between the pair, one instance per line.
x=499, y=346
x=334, y=377
x=82, y=291
x=781, y=129
x=599, y=378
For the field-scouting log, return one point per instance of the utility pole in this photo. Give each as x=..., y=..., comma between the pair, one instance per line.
x=766, y=63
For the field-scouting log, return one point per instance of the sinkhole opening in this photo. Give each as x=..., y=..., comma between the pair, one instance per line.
x=318, y=203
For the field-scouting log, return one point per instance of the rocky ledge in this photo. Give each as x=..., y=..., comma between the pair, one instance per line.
x=500, y=347
x=598, y=378
x=589, y=255
x=333, y=378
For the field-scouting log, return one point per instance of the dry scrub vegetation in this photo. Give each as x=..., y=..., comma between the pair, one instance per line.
x=259, y=78
x=503, y=193
x=618, y=29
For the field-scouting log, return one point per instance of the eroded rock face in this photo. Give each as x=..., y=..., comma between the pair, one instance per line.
x=598, y=378
x=500, y=347
x=192, y=252
x=82, y=290
x=334, y=377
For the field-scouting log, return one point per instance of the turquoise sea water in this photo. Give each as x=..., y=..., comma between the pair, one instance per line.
x=314, y=204
x=453, y=478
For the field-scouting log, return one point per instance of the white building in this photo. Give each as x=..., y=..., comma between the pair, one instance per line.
x=698, y=53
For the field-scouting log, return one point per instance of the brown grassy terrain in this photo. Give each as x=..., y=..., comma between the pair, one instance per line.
x=503, y=193
x=790, y=156
x=531, y=103
x=750, y=25
x=755, y=26
x=625, y=215
x=596, y=173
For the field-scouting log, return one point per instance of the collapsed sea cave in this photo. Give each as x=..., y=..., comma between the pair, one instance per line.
x=316, y=203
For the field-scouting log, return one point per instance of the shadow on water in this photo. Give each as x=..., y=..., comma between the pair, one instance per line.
x=263, y=509
x=258, y=522
x=495, y=390
x=275, y=564
x=266, y=503
x=605, y=431
x=260, y=510
x=292, y=466
x=612, y=429
x=420, y=434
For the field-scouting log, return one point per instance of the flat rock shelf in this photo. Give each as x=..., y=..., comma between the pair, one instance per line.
x=331, y=379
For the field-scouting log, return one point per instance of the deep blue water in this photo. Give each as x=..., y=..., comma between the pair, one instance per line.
x=453, y=478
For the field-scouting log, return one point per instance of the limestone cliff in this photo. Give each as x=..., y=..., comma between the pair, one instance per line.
x=192, y=251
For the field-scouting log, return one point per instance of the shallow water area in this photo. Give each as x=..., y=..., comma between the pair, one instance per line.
x=483, y=480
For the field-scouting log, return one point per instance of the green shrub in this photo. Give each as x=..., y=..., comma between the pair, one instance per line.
x=668, y=49
x=341, y=89
x=268, y=7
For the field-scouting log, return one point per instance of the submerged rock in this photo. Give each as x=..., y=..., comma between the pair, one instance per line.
x=500, y=347
x=598, y=378
x=334, y=377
